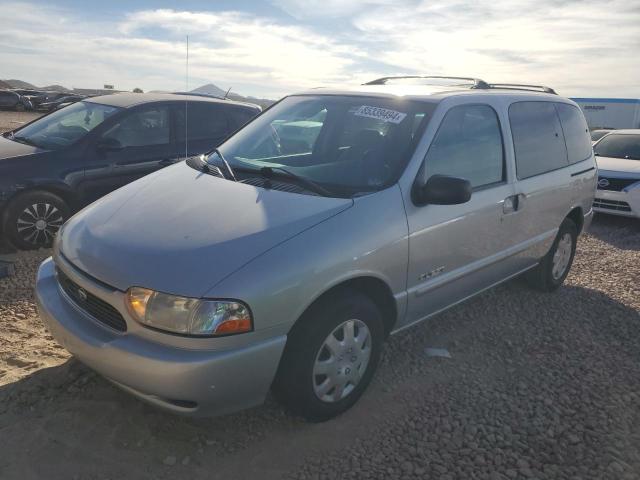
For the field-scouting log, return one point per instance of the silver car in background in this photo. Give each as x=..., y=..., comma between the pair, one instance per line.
x=283, y=259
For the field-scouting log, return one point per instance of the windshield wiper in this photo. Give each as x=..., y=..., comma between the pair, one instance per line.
x=268, y=172
x=24, y=140
x=226, y=165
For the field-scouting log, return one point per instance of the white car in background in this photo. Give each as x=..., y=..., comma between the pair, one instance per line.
x=598, y=134
x=618, y=158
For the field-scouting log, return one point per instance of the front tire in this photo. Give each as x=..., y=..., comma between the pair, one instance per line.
x=330, y=356
x=32, y=219
x=556, y=264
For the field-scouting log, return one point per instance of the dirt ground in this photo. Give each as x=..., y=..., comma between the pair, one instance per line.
x=11, y=120
x=538, y=386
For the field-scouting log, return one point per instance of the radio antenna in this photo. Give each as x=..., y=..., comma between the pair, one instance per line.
x=186, y=118
x=227, y=94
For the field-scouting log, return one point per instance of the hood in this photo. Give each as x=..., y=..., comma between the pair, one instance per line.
x=181, y=231
x=10, y=149
x=618, y=165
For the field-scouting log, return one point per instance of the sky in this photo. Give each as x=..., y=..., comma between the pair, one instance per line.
x=272, y=48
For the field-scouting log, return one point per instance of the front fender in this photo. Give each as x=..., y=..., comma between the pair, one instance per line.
x=370, y=239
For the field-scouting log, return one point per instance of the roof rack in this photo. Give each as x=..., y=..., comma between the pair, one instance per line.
x=477, y=83
x=522, y=86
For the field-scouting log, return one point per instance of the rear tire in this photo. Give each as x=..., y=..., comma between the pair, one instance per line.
x=323, y=372
x=32, y=219
x=556, y=264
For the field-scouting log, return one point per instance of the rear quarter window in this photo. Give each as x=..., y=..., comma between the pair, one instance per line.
x=537, y=138
x=576, y=132
x=205, y=121
x=241, y=116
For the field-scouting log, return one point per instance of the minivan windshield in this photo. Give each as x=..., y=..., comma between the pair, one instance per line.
x=619, y=146
x=65, y=126
x=345, y=144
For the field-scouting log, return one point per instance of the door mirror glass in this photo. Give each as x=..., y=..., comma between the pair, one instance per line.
x=442, y=190
x=109, y=144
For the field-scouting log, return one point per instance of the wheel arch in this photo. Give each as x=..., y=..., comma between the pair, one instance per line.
x=375, y=288
x=63, y=191
x=577, y=216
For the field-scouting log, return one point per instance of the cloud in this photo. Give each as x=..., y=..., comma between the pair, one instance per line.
x=578, y=47
x=148, y=48
x=313, y=9
x=547, y=42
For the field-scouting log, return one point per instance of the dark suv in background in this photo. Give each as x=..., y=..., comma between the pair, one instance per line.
x=65, y=160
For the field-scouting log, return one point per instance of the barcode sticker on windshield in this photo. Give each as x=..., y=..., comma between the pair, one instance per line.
x=383, y=114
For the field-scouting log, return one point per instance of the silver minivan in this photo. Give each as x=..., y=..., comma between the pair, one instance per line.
x=282, y=260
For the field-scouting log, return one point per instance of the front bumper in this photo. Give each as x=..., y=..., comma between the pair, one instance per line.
x=624, y=203
x=193, y=382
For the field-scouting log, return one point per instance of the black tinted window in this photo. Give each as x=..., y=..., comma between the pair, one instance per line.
x=598, y=134
x=576, y=132
x=619, y=146
x=8, y=98
x=145, y=127
x=241, y=116
x=205, y=121
x=468, y=144
x=537, y=138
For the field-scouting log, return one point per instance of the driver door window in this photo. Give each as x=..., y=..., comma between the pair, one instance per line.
x=145, y=127
x=468, y=145
x=140, y=143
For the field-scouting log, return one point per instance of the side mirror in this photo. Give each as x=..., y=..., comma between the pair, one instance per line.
x=107, y=144
x=442, y=190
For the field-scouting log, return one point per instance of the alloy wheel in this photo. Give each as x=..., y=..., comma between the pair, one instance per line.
x=38, y=223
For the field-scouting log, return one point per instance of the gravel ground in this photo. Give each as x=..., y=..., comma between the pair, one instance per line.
x=10, y=120
x=542, y=386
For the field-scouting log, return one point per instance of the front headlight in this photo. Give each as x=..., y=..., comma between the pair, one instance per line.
x=189, y=316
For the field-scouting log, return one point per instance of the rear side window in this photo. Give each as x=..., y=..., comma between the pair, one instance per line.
x=576, y=132
x=537, y=138
x=241, y=116
x=468, y=144
x=206, y=121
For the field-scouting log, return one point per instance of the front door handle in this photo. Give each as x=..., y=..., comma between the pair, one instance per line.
x=512, y=204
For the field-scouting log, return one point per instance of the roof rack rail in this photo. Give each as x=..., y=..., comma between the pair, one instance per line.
x=522, y=86
x=477, y=83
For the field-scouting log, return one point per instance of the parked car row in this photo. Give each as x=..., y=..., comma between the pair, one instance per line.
x=10, y=100
x=284, y=257
x=20, y=99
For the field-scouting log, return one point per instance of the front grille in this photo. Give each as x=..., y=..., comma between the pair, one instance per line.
x=615, y=184
x=611, y=205
x=97, y=308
